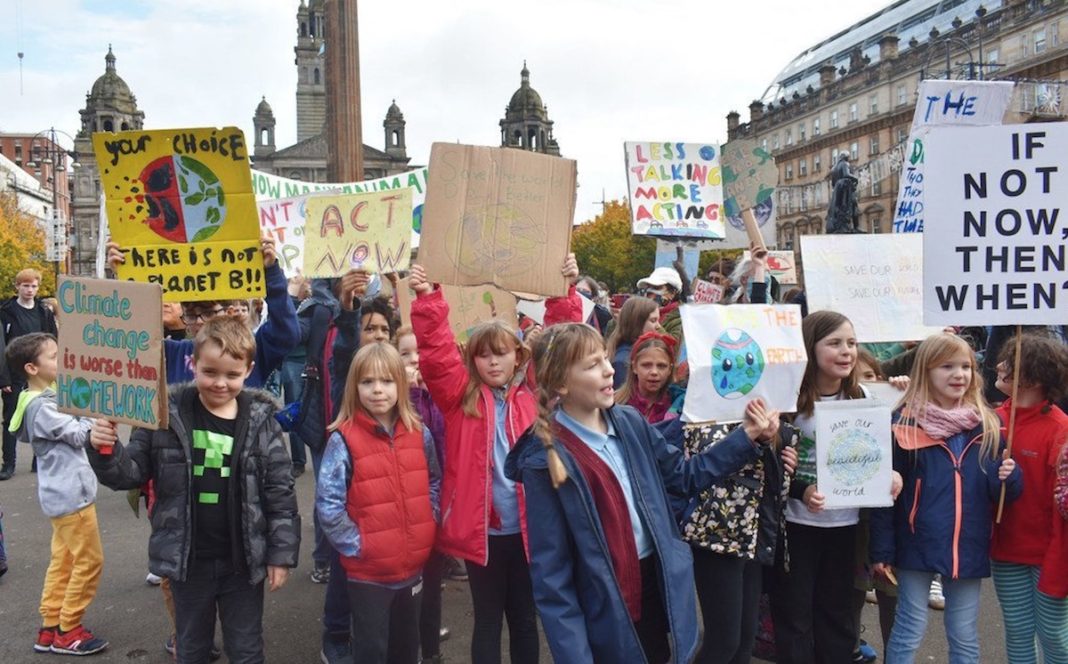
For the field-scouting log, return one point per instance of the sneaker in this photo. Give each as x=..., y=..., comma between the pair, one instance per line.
x=864, y=653
x=45, y=637
x=169, y=647
x=443, y=634
x=870, y=597
x=297, y=471
x=455, y=570
x=936, y=600
x=336, y=651
x=320, y=574
x=153, y=580
x=5, y=474
x=78, y=641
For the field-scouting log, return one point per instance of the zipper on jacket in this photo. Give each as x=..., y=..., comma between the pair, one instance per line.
x=958, y=499
x=915, y=505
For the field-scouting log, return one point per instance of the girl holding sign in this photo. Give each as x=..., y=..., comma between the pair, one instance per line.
x=1028, y=552
x=948, y=449
x=611, y=575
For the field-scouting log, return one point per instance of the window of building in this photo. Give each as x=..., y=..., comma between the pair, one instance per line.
x=801, y=133
x=902, y=134
x=877, y=188
x=815, y=126
x=834, y=119
x=816, y=165
x=854, y=151
x=854, y=114
x=876, y=223
x=774, y=141
x=1025, y=45
x=802, y=168
x=789, y=171
x=1040, y=40
x=992, y=56
x=316, y=76
x=902, y=95
x=1054, y=34
x=789, y=137
x=834, y=156
x=873, y=104
x=873, y=145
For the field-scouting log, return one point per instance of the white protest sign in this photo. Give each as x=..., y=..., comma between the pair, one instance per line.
x=535, y=309
x=884, y=392
x=738, y=353
x=854, y=453
x=675, y=189
x=1001, y=253
x=940, y=104
x=874, y=280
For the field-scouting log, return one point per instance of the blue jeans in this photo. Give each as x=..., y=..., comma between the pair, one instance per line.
x=961, y=617
x=292, y=388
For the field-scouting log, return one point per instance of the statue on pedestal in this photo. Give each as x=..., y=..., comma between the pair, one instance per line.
x=843, y=214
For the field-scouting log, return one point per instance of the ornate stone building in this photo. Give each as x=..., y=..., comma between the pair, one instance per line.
x=306, y=159
x=109, y=106
x=855, y=93
x=526, y=122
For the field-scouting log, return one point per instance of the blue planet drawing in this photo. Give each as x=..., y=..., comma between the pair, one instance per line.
x=737, y=364
x=81, y=393
x=853, y=457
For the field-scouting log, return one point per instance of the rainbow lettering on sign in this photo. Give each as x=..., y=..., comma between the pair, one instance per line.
x=676, y=189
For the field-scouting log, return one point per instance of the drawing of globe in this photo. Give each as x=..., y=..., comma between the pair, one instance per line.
x=737, y=364
x=81, y=393
x=184, y=197
x=498, y=235
x=853, y=457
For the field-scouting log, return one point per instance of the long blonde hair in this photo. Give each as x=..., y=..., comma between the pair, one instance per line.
x=556, y=351
x=379, y=360
x=632, y=316
x=498, y=338
x=935, y=350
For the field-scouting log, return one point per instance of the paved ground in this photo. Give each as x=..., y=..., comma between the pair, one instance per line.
x=130, y=614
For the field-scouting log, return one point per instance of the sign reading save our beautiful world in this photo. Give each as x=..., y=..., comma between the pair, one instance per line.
x=180, y=204
x=111, y=351
x=854, y=456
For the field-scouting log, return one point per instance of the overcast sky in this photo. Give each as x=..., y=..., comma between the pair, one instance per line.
x=609, y=70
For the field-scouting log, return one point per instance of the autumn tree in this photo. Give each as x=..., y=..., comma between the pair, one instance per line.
x=22, y=245
x=607, y=251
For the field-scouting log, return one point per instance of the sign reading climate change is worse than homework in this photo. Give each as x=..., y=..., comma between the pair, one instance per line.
x=111, y=358
x=1000, y=255
x=179, y=203
x=675, y=189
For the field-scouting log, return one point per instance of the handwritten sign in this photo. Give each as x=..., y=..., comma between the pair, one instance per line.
x=368, y=231
x=749, y=180
x=874, y=280
x=675, y=189
x=781, y=265
x=667, y=253
x=854, y=457
x=740, y=352
x=111, y=351
x=706, y=292
x=1001, y=257
x=498, y=216
x=469, y=306
x=940, y=104
x=179, y=202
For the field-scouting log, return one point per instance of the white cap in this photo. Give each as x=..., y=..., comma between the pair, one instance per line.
x=662, y=276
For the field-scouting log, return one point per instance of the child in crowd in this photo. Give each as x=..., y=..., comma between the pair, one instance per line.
x=611, y=576
x=226, y=515
x=66, y=488
x=1025, y=547
x=639, y=315
x=948, y=449
x=650, y=385
x=811, y=598
x=384, y=531
x=487, y=405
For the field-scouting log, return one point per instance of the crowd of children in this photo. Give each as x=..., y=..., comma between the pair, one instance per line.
x=428, y=448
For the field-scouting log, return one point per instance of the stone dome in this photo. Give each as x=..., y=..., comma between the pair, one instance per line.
x=111, y=85
x=263, y=108
x=394, y=112
x=526, y=99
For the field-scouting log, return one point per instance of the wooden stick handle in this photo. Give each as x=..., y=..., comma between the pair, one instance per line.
x=1012, y=416
x=753, y=230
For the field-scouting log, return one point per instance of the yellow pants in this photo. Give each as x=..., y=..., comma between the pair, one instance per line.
x=74, y=571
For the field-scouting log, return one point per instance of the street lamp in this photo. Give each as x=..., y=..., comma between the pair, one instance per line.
x=56, y=155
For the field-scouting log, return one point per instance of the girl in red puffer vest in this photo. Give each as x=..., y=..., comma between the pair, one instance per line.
x=377, y=498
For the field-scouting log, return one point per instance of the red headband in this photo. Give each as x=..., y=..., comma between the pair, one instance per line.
x=668, y=340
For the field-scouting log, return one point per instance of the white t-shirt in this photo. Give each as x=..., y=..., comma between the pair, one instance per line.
x=796, y=512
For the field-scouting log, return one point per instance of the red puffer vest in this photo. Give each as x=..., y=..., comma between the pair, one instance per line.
x=389, y=501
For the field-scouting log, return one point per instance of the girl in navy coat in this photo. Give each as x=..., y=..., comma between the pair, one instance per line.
x=948, y=449
x=611, y=575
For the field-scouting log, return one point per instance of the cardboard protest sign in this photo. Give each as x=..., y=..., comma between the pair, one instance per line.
x=854, y=453
x=111, y=351
x=1001, y=255
x=283, y=204
x=740, y=352
x=469, y=306
x=498, y=216
x=535, y=309
x=941, y=104
x=874, y=280
x=706, y=292
x=354, y=231
x=781, y=265
x=180, y=204
x=749, y=180
x=675, y=189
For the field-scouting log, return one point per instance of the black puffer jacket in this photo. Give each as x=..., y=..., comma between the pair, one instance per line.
x=264, y=523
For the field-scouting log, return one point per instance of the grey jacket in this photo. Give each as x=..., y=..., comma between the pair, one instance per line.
x=65, y=481
x=264, y=523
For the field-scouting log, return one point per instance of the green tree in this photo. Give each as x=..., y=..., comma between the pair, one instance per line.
x=607, y=251
x=22, y=245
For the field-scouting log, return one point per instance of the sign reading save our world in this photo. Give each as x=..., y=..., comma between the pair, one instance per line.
x=111, y=351
x=180, y=204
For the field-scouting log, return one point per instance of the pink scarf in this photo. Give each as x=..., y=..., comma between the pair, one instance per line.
x=941, y=423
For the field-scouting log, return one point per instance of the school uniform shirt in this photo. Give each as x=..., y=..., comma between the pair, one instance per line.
x=213, y=445
x=505, y=499
x=796, y=512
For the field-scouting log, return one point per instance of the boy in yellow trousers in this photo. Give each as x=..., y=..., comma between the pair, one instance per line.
x=66, y=486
